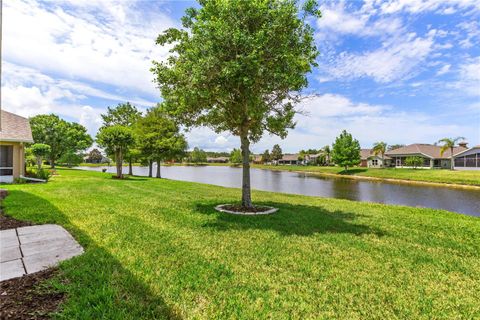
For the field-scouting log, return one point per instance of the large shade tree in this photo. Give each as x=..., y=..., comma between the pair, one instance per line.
x=63, y=137
x=159, y=137
x=238, y=66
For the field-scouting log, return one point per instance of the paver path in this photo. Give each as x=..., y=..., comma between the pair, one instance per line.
x=30, y=249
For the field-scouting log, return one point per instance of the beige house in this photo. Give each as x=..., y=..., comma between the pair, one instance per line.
x=14, y=133
x=431, y=155
x=371, y=160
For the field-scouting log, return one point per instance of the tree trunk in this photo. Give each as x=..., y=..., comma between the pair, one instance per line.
x=158, y=169
x=52, y=162
x=452, y=167
x=39, y=163
x=346, y=168
x=150, y=168
x=246, y=192
x=130, y=171
x=118, y=163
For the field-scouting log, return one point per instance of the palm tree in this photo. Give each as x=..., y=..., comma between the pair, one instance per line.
x=380, y=147
x=449, y=143
x=327, y=151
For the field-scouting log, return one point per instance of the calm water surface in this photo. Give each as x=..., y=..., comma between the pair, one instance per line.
x=452, y=199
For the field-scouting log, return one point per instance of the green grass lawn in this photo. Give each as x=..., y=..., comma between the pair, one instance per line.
x=469, y=177
x=157, y=249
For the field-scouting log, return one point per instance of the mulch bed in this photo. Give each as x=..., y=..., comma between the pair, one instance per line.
x=29, y=297
x=7, y=222
x=239, y=208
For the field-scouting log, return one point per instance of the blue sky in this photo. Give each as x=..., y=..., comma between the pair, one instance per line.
x=401, y=71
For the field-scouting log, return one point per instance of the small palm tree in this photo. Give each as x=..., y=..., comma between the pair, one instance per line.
x=449, y=143
x=327, y=151
x=380, y=148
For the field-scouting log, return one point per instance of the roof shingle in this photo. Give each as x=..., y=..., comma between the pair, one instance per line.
x=14, y=128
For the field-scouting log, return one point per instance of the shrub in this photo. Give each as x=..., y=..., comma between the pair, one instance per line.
x=41, y=173
x=414, y=161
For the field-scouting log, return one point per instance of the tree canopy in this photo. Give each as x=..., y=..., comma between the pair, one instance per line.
x=198, y=156
x=124, y=114
x=159, y=137
x=238, y=66
x=116, y=140
x=235, y=156
x=276, y=152
x=62, y=136
x=346, y=150
x=40, y=151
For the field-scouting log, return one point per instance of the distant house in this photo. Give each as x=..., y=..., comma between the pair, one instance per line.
x=429, y=152
x=313, y=158
x=14, y=133
x=289, y=159
x=217, y=160
x=370, y=160
x=468, y=159
x=257, y=159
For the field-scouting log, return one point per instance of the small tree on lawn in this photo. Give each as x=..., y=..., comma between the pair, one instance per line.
x=127, y=115
x=327, y=153
x=449, y=143
x=116, y=140
x=238, y=66
x=95, y=156
x=276, y=153
x=266, y=157
x=198, y=155
x=414, y=161
x=40, y=151
x=159, y=137
x=346, y=150
x=380, y=148
x=236, y=156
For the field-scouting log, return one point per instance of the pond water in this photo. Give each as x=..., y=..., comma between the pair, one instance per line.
x=453, y=199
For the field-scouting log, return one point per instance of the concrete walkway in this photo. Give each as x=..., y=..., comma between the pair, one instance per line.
x=31, y=249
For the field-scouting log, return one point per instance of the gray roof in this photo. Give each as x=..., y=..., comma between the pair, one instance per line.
x=428, y=150
x=14, y=128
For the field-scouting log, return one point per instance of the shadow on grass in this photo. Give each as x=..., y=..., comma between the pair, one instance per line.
x=291, y=219
x=96, y=283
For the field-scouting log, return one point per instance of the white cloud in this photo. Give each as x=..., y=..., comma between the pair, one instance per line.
x=444, y=69
x=396, y=59
x=328, y=114
x=419, y=6
x=339, y=20
x=221, y=140
x=101, y=42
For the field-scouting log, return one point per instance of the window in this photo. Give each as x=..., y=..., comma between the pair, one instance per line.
x=470, y=161
x=375, y=162
x=6, y=160
x=460, y=162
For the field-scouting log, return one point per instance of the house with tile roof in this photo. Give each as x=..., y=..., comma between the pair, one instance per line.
x=431, y=154
x=15, y=132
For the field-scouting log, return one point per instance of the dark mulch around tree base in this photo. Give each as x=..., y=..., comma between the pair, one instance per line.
x=29, y=297
x=7, y=222
x=239, y=208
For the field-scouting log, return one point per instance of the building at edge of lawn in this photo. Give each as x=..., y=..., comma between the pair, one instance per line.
x=467, y=159
x=14, y=133
x=432, y=157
